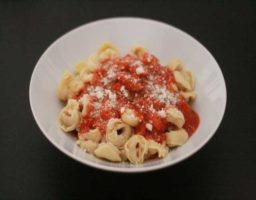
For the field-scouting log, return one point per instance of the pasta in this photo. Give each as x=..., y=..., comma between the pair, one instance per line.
x=136, y=148
x=175, y=116
x=176, y=138
x=155, y=148
x=69, y=116
x=128, y=108
x=64, y=86
x=129, y=117
x=175, y=65
x=108, y=151
x=188, y=96
x=93, y=135
x=87, y=145
x=117, y=132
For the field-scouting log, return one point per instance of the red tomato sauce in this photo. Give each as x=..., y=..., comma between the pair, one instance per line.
x=141, y=84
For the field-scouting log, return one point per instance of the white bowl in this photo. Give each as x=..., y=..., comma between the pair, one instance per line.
x=163, y=40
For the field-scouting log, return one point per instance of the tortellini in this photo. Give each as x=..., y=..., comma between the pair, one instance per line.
x=108, y=151
x=116, y=123
x=175, y=116
x=87, y=145
x=184, y=80
x=64, y=86
x=188, y=96
x=129, y=117
x=69, y=116
x=107, y=50
x=175, y=65
x=75, y=85
x=136, y=148
x=176, y=138
x=138, y=51
x=93, y=135
x=80, y=67
x=117, y=132
x=155, y=148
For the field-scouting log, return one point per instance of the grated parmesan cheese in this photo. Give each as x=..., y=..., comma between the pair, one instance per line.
x=162, y=94
x=124, y=91
x=161, y=113
x=122, y=109
x=149, y=126
x=140, y=70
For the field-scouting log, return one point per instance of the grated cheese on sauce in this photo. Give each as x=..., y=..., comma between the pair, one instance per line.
x=149, y=126
x=140, y=70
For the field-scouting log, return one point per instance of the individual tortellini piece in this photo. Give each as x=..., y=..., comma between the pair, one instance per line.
x=64, y=86
x=83, y=71
x=176, y=138
x=118, y=132
x=129, y=117
x=93, y=135
x=175, y=65
x=85, y=102
x=190, y=77
x=107, y=50
x=69, y=116
x=175, y=116
x=87, y=145
x=184, y=80
x=75, y=85
x=188, y=96
x=92, y=63
x=155, y=148
x=108, y=151
x=136, y=148
x=86, y=77
x=81, y=66
x=174, y=87
x=138, y=51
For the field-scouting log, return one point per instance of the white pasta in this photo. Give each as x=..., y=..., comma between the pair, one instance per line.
x=107, y=50
x=69, y=116
x=75, y=85
x=108, y=151
x=190, y=77
x=181, y=81
x=138, y=51
x=80, y=67
x=176, y=138
x=175, y=116
x=117, y=132
x=175, y=65
x=64, y=86
x=155, y=148
x=184, y=80
x=87, y=145
x=129, y=117
x=189, y=96
x=93, y=135
x=92, y=63
x=86, y=77
x=136, y=148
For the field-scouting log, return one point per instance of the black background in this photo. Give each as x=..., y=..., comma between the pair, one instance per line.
x=32, y=168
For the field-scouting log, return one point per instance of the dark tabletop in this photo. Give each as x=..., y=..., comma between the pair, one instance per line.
x=32, y=168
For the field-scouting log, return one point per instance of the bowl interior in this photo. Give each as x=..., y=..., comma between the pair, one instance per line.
x=162, y=40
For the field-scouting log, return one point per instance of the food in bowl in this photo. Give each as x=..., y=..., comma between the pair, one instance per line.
x=128, y=108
